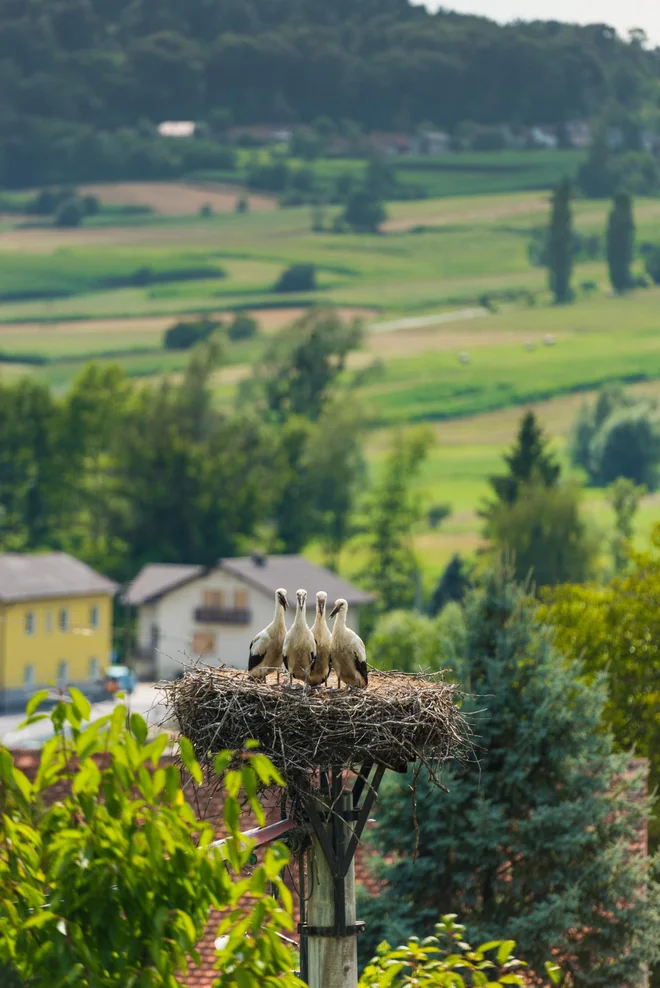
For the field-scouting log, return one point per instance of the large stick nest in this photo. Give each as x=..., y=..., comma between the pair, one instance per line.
x=399, y=719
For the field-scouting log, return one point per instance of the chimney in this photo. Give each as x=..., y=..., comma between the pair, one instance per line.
x=259, y=559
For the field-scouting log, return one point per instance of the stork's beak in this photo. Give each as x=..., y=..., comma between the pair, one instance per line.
x=321, y=604
x=283, y=601
x=335, y=610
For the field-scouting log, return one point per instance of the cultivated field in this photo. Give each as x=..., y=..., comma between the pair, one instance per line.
x=455, y=270
x=176, y=198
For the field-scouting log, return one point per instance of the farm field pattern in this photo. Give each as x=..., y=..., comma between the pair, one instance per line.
x=108, y=292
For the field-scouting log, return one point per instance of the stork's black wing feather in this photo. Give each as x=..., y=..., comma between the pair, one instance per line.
x=361, y=668
x=256, y=657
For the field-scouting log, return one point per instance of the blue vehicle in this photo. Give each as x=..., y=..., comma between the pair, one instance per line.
x=119, y=679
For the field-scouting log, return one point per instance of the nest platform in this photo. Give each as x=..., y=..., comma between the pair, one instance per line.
x=398, y=720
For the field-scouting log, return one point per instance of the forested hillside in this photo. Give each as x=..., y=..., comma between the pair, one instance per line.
x=75, y=69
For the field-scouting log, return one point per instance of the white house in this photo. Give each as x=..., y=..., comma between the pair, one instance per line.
x=177, y=128
x=186, y=613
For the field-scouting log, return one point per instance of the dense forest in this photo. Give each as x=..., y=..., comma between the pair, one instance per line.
x=76, y=72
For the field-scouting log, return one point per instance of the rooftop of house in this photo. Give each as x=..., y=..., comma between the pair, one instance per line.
x=47, y=575
x=264, y=573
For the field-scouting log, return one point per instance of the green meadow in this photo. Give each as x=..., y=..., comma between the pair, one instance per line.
x=109, y=292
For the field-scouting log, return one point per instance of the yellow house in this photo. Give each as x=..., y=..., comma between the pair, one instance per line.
x=55, y=625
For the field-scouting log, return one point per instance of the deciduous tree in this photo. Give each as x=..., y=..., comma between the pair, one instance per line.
x=111, y=884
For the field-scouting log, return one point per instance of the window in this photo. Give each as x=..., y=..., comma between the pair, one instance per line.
x=62, y=673
x=93, y=669
x=94, y=616
x=203, y=642
x=48, y=622
x=64, y=619
x=28, y=676
x=241, y=600
x=29, y=623
x=214, y=599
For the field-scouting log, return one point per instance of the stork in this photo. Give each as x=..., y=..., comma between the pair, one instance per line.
x=321, y=668
x=299, y=652
x=348, y=655
x=266, y=647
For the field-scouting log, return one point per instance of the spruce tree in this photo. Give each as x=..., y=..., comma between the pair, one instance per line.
x=560, y=243
x=528, y=460
x=452, y=585
x=537, y=838
x=620, y=243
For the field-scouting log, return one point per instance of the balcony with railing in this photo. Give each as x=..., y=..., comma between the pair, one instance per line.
x=223, y=615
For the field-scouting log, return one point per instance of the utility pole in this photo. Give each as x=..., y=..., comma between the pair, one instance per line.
x=328, y=925
x=332, y=959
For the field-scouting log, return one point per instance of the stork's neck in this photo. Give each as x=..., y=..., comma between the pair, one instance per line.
x=340, y=620
x=320, y=611
x=279, y=613
x=300, y=615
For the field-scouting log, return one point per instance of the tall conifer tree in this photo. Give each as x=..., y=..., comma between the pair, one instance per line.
x=620, y=243
x=537, y=839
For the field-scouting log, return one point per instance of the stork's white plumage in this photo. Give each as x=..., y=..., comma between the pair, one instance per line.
x=299, y=652
x=348, y=655
x=266, y=647
x=321, y=669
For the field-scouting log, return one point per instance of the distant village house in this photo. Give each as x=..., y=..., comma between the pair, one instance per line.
x=187, y=613
x=177, y=128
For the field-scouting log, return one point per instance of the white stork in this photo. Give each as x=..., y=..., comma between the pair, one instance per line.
x=348, y=655
x=266, y=647
x=321, y=668
x=299, y=652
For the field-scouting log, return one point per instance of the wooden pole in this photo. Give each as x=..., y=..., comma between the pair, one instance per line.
x=332, y=959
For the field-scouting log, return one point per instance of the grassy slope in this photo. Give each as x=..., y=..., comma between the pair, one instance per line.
x=470, y=246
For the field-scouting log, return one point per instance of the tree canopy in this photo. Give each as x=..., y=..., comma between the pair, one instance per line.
x=112, y=883
x=83, y=81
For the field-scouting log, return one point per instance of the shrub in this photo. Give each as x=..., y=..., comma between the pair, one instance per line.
x=297, y=278
x=242, y=327
x=437, y=514
x=206, y=211
x=70, y=213
x=184, y=335
x=364, y=213
x=445, y=959
x=242, y=205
